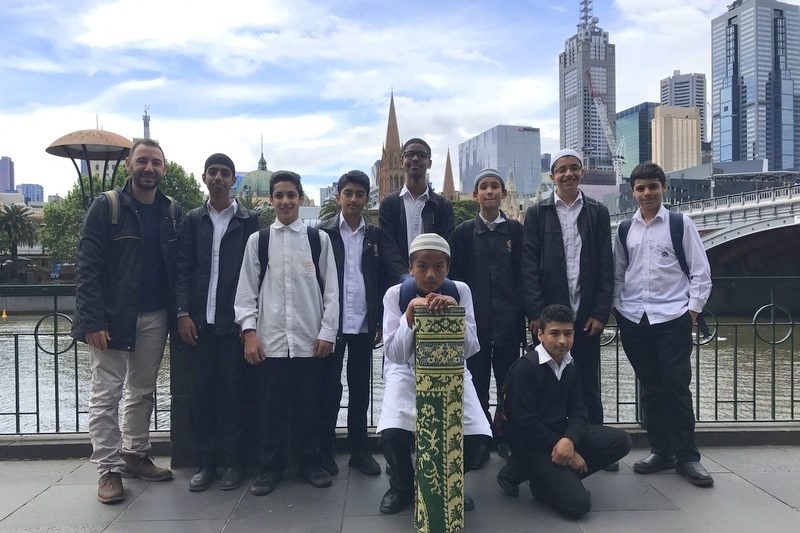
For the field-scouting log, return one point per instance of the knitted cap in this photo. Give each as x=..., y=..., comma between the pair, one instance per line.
x=429, y=241
x=489, y=173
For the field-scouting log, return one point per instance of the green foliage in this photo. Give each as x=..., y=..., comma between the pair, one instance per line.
x=267, y=214
x=329, y=208
x=251, y=202
x=465, y=210
x=17, y=223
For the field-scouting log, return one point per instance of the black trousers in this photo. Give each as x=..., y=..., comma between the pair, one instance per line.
x=560, y=487
x=497, y=358
x=289, y=394
x=359, y=372
x=659, y=354
x=397, y=444
x=586, y=353
x=218, y=404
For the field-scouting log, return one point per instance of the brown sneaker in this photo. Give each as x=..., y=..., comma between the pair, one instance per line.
x=142, y=466
x=109, y=488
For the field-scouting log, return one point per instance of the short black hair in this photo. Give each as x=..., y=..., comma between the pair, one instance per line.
x=285, y=175
x=417, y=140
x=648, y=170
x=555, y=313
x=354, y=176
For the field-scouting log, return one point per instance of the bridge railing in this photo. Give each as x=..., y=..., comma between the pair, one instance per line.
x=745, y=366
x=741, y=199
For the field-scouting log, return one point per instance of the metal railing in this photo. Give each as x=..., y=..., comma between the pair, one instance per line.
x=745, y=368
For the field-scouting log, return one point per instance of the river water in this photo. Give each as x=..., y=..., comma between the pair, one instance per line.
x=741, y=377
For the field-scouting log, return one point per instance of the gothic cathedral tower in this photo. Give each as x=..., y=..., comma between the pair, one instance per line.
x=391, y=177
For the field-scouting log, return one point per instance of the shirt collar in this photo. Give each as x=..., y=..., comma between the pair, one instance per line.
x=662, y=213
x=544, y=357
x=557, y=199
x=294, y=226
x=405, y=192
x=496, y=221
x=344, y=226
x=234, y=207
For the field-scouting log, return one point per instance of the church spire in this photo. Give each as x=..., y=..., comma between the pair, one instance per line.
x=390, y=170
x=448, y=189
x=392, y=132
x=262, y=163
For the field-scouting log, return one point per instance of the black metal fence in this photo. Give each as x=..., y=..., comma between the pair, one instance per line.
x=745, y=365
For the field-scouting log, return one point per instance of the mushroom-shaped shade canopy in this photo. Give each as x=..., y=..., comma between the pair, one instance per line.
x=94, y=145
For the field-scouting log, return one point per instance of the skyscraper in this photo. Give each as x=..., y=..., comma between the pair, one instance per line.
x=634, y=125
x=755, y=51
x=686, y=90
x=33, y=192
x=676, y=137
x=506, y=149
x=6, y=174
x=587, y=68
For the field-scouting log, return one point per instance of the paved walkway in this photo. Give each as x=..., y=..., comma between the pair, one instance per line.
x=757, y=489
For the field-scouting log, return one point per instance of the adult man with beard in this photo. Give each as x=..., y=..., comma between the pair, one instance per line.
x=124, y=306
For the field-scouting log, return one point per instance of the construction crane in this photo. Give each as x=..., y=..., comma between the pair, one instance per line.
x=617, y=149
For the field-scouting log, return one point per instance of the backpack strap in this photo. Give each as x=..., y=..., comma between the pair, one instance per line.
x=113, y=205
x=173, y=208
x=622, y=231
x=263, y=254
x=408, y=291
x=676, y=233
x=500, y=419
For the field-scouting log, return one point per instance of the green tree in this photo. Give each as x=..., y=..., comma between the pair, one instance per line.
x=329, y=208
x=17, y=223
x=465, y=210
x=251, y=202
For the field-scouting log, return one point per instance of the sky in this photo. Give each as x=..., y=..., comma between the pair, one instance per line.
x=312, y=77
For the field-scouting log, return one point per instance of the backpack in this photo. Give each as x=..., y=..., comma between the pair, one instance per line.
x=675, y=232
x=408, y=291
x=263, y=253
x=113, y=205
x=500, y=420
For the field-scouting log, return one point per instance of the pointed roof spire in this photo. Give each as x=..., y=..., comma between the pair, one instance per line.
x=262, y=163
x=392, y=131
x=448, y=189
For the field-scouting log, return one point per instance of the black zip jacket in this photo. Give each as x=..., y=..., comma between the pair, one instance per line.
x=109, y=269
x=193, y=269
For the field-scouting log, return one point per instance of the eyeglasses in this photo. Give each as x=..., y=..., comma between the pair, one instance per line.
x=563, y=170
x=418, y=154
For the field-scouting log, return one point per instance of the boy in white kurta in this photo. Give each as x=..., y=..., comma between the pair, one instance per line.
x=429, y=258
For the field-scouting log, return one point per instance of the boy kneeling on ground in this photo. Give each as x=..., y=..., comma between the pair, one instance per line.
x=552, y=444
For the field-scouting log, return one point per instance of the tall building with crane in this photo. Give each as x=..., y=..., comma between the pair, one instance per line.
x=587, y=89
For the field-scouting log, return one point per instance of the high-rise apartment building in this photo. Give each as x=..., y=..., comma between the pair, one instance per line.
x=676, y=137
x=507, y=149
x=33, y=192
x=6, y=174
x=755, y=53
x=634, y=125
x=686, y=90
x=586, y=69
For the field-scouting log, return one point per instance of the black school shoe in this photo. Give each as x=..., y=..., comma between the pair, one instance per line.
x=364, y=462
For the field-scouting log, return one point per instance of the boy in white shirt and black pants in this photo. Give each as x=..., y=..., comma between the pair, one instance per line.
x=657, y=296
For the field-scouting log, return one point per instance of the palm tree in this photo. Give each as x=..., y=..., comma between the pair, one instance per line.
x=329, y=208
x=16, y=221
x=251, y=202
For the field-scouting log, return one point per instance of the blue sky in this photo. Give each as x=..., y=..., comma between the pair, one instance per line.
x=313, y=77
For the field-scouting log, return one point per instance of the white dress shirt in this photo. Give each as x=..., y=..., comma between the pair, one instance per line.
x=568, y=217
x=413, y=208
x=545, y=357
x=399, y=408
x=288, y=313
x=354, y=299
x=220, y=223
x=652, y=281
